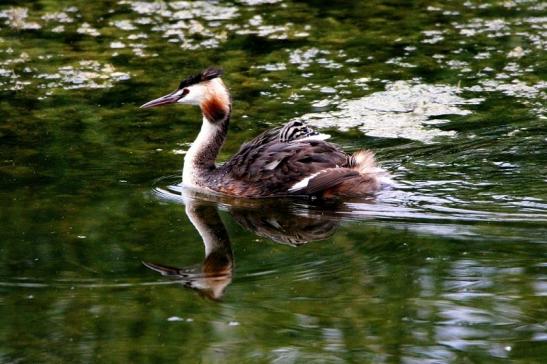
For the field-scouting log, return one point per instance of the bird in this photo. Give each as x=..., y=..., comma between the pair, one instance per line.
x=288, y=160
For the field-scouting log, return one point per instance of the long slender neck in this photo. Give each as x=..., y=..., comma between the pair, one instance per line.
x=200, y=158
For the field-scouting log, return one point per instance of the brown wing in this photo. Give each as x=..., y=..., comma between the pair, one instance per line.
x=292, y=131
x=273, y=168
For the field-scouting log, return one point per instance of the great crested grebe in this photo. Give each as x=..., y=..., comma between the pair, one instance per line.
x=290, y=160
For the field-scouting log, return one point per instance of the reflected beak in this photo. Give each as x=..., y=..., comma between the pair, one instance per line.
x=171, y=98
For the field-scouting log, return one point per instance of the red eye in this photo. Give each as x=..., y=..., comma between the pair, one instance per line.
x=185, y=92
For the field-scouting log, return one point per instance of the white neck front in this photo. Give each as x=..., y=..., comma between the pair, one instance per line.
x=200, y=153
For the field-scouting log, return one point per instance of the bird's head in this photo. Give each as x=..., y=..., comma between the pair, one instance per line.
x=205, y=89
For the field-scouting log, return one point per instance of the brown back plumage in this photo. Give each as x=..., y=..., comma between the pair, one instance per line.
x=270, y=166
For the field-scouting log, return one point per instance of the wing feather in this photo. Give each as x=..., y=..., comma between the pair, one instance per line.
x=277, y=159
x=324, y=180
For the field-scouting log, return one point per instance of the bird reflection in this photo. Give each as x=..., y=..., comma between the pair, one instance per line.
x=216, y=270
x=274, y=221
x=283, y=227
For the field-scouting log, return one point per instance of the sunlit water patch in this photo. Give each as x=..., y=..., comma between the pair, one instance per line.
x=447, y=266
x=87, y=74
x=16, y=18
x=404, y=110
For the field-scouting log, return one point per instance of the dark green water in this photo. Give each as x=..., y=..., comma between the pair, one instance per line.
x=448, y=266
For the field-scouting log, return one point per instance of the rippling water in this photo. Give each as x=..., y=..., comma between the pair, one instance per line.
x=449, y=265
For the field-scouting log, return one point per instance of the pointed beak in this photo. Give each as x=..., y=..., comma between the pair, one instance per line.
x=164, y=100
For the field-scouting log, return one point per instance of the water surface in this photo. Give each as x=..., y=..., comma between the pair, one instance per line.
x=450, y=265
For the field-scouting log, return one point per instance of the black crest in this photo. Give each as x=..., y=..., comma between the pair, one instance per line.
x=205, y=75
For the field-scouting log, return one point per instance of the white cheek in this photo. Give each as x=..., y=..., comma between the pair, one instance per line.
x=195, y=95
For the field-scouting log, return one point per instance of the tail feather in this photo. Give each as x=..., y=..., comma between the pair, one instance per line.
x=360, y=176
x=363, y=161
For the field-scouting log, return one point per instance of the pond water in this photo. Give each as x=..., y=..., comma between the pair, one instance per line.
x=450, y=265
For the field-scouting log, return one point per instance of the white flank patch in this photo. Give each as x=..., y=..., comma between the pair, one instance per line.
x=272, y=165
x=303, y=183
